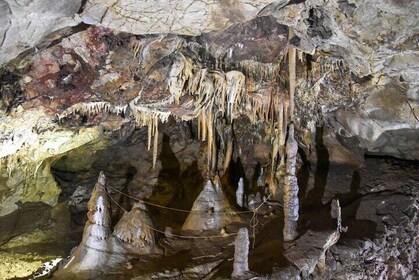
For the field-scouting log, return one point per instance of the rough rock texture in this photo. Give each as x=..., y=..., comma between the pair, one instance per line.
x=135, y=227
x=241, y=253
x=24, y=24
x=310, y=250
x=376, y=41
x=188, y=17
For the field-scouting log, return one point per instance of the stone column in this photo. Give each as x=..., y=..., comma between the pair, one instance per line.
x=241, y=253
x=240, y=193
x=291, y=205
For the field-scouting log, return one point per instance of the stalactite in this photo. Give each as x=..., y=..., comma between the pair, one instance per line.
x=149, y=132
x=210, y=125
x=156, y=142
x=199, y=126
x=214, y=160
x=291, y=65
x=229, y=154
x=204, y=128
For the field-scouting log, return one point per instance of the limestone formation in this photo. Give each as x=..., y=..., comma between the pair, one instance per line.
x=210, y=211
x=240, y=193
x=25, y=24
x=185, y=17
x=291, y=204
x=96, y=248
x=135, y=227
x=310, y=249
x=336, y=213
x=254, y=200
x=241, y=254
x=161, y=94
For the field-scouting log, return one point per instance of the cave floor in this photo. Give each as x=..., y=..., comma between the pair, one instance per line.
x=372, y=199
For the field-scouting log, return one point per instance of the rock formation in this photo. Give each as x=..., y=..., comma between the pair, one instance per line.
x=160, y=94
x=210, y=211
x=96, y=248
x=291, y=204
x=135, y=228
x=241, y=254
x=240, y=193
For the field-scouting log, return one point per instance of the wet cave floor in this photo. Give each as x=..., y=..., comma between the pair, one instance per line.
x=372, y=199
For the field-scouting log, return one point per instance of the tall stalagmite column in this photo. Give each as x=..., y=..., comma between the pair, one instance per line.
x=91, y=253
x=99, y=219
x=291, y=205
x=241, y=254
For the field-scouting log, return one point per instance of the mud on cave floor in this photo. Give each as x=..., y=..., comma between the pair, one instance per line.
x=374, y=199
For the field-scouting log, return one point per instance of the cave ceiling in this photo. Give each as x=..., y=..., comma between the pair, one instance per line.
x=73, y=71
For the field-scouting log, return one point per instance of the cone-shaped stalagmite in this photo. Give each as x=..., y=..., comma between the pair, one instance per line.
x=89, y=254
x=135, y=227
x=210, y=211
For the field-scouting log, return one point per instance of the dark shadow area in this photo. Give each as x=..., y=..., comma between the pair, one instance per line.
x=174, y=188
x=257, y=172
x=230, y=181
x=168, y=184
x=353, y=194
x=314, y=197
x=29, y=216
x=303, y=175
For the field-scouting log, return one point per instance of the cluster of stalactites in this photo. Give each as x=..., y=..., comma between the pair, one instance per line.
x=93, y=108
x=144, y=115
x=218, y=94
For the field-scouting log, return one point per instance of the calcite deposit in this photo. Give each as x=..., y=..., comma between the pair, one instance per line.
x=211, y=119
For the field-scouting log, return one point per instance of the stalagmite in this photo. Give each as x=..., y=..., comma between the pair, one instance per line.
x=99, y=220
x=291, y=205
x=89, y=254
x=336, y=213
x=210, y=211
x=241, y=254
x=240, y=193
x=135, y=228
